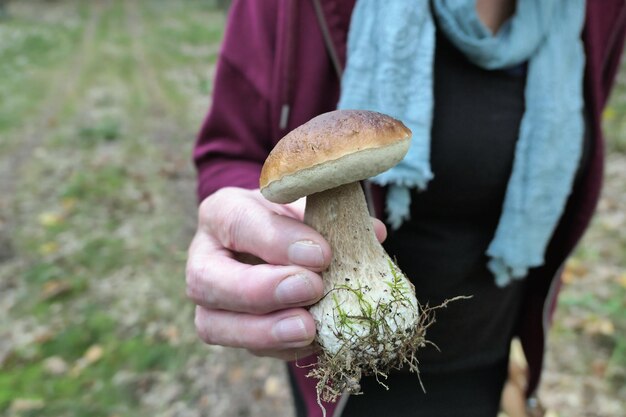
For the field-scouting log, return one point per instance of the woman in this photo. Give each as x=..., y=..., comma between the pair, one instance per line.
x=281, y=65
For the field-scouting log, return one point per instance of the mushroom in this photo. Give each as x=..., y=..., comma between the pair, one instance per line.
x=369, y=319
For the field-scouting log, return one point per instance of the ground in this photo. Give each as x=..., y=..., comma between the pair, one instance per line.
x=99, y=105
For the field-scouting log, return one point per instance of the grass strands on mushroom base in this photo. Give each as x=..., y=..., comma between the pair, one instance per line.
x=341, y=372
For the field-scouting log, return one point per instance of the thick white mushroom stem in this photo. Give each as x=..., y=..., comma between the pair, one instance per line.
x=369, y=319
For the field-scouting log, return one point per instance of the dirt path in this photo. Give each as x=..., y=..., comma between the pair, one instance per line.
x=61, y=91
x=94, y=290
x=164, y=127
x=233, y=382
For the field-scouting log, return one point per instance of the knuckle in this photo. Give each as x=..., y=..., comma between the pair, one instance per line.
x=213, y=200
x=207, y=207
x=251, y=293
x=226, y=217
x=231, y=231
x=203, y=327
x=256, y=289
x=192, y=281
x=210, y=208
x=198, y=288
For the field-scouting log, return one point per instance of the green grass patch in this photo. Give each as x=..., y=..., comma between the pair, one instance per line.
x=100, y=256
x=90, y=388
x=29, y=48
x=181, y=43
x=614, y=118
x=42, y=272
x=96, y=186
x=108, y=129
x=611, y=311
x=97, y=328
x=93, y=204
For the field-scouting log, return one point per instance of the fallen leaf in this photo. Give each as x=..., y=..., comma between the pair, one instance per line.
x=93, y=354
x=257, y=394
x=609, y=113
x=48, y=248
x=622, y=280
x=45, y=336
x=567, y=277
x=50, y=219
x=235, y=375
x=55, y=288
x=272, y=386
x=55, y=365
x=171, y=334
x=574, y=269
x=69, y=203
x=20, y=405
x=599, y=367
x=599, y=326
x=204, y=402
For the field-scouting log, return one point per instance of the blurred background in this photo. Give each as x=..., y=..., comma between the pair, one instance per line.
x=99, y=105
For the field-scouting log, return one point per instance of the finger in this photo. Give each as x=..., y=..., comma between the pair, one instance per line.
x=297, y=208
x=380, y=229
x=241, y=223
x=216, y=280
x=288, y=354
x=287, y=329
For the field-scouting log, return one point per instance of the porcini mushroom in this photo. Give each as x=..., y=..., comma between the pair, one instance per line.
x=369, y=320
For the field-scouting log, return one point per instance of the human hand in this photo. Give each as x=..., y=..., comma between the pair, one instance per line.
x=258, y=307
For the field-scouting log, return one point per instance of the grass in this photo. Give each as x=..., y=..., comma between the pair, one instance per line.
x=26, y=376
x=26, y=45
x=96, y=210
x=615, y=117
x=587, y=347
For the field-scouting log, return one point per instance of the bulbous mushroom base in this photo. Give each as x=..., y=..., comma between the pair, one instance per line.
x=340, y=372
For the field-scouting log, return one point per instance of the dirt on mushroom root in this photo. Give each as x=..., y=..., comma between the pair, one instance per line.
x=337, y=374
x=94, y=231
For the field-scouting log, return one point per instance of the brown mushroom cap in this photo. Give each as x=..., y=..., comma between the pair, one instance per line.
x=330, y=150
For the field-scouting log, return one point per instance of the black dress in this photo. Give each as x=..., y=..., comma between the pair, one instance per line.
x=476, y=119
x=442, y=248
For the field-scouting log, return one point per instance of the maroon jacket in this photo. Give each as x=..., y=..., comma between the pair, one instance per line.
x=279, y=67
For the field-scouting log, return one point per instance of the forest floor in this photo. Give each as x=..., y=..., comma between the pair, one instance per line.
x=99, y=105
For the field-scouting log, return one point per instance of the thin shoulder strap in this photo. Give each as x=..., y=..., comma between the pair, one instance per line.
x=330, y=46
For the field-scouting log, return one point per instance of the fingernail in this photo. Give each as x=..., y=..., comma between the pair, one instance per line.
x=306, y=253
x=295, y=289
x=291, y=329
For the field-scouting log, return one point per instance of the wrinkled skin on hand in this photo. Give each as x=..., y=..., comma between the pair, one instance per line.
x=253, y=268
